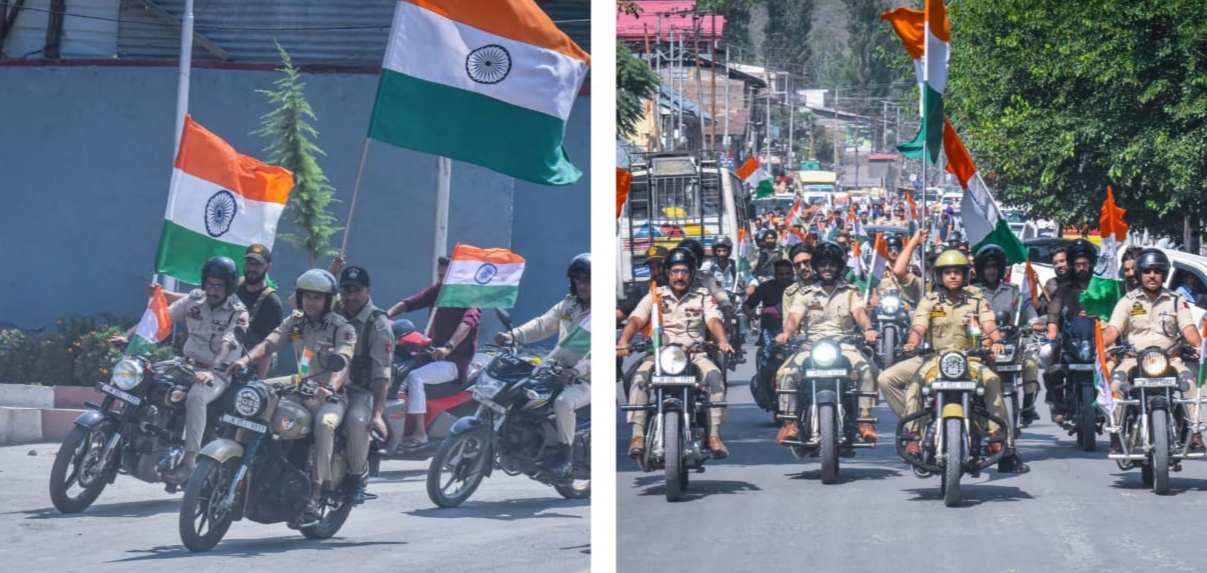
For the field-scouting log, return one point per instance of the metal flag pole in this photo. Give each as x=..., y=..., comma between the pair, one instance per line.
x=182, y=104
x=444, y=176
x=355, y=191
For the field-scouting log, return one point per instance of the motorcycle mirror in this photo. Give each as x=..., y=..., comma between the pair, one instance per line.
x=335, y=362
x=1003, y=318
x=504, y=317
x=240, y=333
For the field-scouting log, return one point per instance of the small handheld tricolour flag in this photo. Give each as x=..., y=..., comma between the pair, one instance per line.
x=155, y=326
x=578, y=342
x=1102, y=380
x=1203, y=352
x=481, y=278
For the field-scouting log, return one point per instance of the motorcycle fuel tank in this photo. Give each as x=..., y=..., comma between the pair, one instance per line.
x=291, y=419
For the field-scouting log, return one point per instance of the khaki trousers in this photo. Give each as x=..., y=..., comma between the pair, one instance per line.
x=199, y=398
x=356, y=428
x=789, y=376
x=639, y=394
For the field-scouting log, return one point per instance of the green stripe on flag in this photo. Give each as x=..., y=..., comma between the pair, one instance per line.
x=1100, y=297
x=1003, y=237
x=578, y=342
x=932, y=120
x=765, y=189
x=183, y=252
x=913, y=149
x=477, y=296
x=437, y=119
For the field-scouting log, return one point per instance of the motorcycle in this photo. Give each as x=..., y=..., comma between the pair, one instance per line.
x=1156, y=428
x=772, y=355
x=446, y=403
x=138, y=429
x=954, y=441
x=827, y=407
x=678, y=429
x=1077, y=360
x=891, y=320
x=1009, y=368
x=512, y=430
x=260, y=466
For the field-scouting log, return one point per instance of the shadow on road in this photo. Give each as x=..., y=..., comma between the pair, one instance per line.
x=249, y=548
x=1130, y=480
x=399, y=475
x=847, y=473
x=655, y=485
x=584, y=549
x=507, y=510
x=972, y=494
x=124, y=509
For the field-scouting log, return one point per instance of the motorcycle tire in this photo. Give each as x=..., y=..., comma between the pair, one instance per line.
x=1014, y=415
x=1088, y=423
x=828, y=447
x=953, y=440
x=82, y=447
x=672, y=438
x=208, y=483
x=1160, y=457
x=572, y=491
x=331, y=522
x=888, y=346
x=479, y=443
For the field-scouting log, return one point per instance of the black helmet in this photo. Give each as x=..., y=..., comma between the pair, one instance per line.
x=895, y=242
x=722, y=241
x=1082, y=249
x=1151, y=258
x=829, y=251
x=579, y=265
x=680, y=255
x=221, y=268
x=987, y=254
x=798, y=249
x=696, y=248
x=764, y=234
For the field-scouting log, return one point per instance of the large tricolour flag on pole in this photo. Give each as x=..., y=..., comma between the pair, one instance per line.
x=983, y=222
x=488, y=82
x=756, y=177
x=481, y=278
x=156, y=325
x=1105, y=288
x=219, y=203
x=930, y=63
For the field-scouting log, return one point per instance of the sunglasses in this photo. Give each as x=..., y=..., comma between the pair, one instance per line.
x=213, y=286
x=802, y=264
x=1151, y=272
x=674, y=272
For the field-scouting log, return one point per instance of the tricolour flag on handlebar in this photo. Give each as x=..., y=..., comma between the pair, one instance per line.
x=481, y=278
x=579, y=339
x=156, y=325
x=1102, y=379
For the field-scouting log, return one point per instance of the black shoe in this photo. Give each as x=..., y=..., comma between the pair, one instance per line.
x=1012, y=464
x=563, y=463
x=355, y=484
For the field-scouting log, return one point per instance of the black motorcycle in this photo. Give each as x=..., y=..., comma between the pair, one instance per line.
x=892, y=321
x=827, y=407
x=260, y=466
x=1009, y=368
x=138, y=429
x=771, y=356
x=513, y=430
x=1078, y=355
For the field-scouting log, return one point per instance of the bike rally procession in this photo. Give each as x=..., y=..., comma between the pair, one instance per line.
x=898, y=284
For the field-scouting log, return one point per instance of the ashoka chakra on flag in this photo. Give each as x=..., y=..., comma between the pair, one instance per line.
x=489, y=64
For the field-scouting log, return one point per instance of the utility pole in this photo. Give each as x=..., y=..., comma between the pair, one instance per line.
x=791, y=123
x=697, y=24
x=658, y=127
x=836, y=129
x=767, y=123
x=726, y=140
x=712, y=58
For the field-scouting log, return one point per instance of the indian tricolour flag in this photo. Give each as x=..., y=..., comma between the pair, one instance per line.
x=488, y=82
x=1105, y=288
x=578, y=342
x=655, y=324
x=756, y=178
x=219, y=203
x=481, y=278
x=155, y=326
x=927, y=37
x=982, y=220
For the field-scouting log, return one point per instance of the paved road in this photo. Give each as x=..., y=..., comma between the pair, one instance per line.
x=510, y=524
x=761, y=509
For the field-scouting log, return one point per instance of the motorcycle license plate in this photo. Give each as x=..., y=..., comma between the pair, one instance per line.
x=1155, y=382
x=125, y=396
x=674, y=380
x=245, y=424
x=1081, y=367
x=953, y=385
x=825, y=373
x=1010, y=368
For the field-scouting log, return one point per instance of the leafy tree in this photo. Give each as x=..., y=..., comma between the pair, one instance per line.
x=788, y=26
x=635, y=81
x=737, y=22
x=870, y=42
x=292, y=147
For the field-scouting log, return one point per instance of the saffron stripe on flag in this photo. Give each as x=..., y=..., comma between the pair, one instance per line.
x=519, y=20
x=208, y=157
x=497, y=256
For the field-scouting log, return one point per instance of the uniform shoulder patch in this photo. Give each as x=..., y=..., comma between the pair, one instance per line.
x=1138, y=308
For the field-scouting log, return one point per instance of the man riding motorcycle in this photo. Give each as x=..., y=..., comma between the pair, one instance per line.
x=688, y=312
x=951, y=316
x=990, y=263
x=708, y=281
x=769, y=252
x=1066, y=302
x=722, y=268
x=830, y=308
x=563, y=319
x=1152, y=315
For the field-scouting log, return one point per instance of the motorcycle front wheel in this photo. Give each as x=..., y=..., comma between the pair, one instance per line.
x=828, y=448
x=888, y=345
x=79, y=463
x=672, y=438
x=204, y=516
x=953, y=441
x=1160, y=457
x=579, y=489
x=458, y=467
x=1087, y=425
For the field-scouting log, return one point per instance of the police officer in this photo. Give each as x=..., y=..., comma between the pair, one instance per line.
x=563, y=319
x=990, y=263
x=1152, y=315
x=709, y=282
x=948, y=315
x=688, y=311
x=801, y=257
x=653, y=261
x=369, y=375
x=830, y=308
x=316, y=333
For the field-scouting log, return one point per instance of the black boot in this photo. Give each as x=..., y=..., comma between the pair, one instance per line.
x=563, y=463
x=1028, y=415
x=311, y=515
x=355, y=484
x=1012, y=464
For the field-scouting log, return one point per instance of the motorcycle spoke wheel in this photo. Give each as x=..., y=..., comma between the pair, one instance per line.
x=333, y=513
x=577, y=489
x=204, y=515
x=953, y=441
x=78, y=475
x=457, y=469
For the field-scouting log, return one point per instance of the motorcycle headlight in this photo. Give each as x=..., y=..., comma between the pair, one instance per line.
x=250, y=401
x=672, y=360
x=890, y=304
x=126, y=375
x=953, y=365
x=824, y=354
x=1154, y=364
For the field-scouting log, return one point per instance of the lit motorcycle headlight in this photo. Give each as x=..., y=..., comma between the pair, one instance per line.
x=953, y=365
x=249, y=402
x=1154, y=364
x=672, y=360
x=824, y=354
x=890, y=304
x=126, y=375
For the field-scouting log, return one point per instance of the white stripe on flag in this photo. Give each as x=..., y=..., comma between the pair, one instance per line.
x=471, y=272
x=194, y=201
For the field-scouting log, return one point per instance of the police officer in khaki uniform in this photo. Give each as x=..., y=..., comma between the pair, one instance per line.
x=990, y=263
x=1152, y=315
x=369, y=375
x=563, y=319
x=316, y=333
x=830, y=308
x=950, y=316
x=801, y=256
x=688, y=311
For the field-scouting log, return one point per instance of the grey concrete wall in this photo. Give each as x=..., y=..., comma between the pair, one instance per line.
x=86, y=158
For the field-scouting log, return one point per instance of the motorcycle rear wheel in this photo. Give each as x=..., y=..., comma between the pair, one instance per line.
x=1160, y=457
x=828, y=447
x=465, y=456
x=80, y=452
x=200, y=511
x=672, y=439
x=953, y=440
x=1087, y=425
x=575, y=490
x=331, y=522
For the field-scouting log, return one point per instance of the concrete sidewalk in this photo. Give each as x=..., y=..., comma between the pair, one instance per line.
x=30, y=413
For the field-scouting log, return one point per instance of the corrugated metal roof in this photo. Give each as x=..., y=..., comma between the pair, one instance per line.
x=335, y=32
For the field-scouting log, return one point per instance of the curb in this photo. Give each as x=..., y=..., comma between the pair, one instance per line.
x=40, y=413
